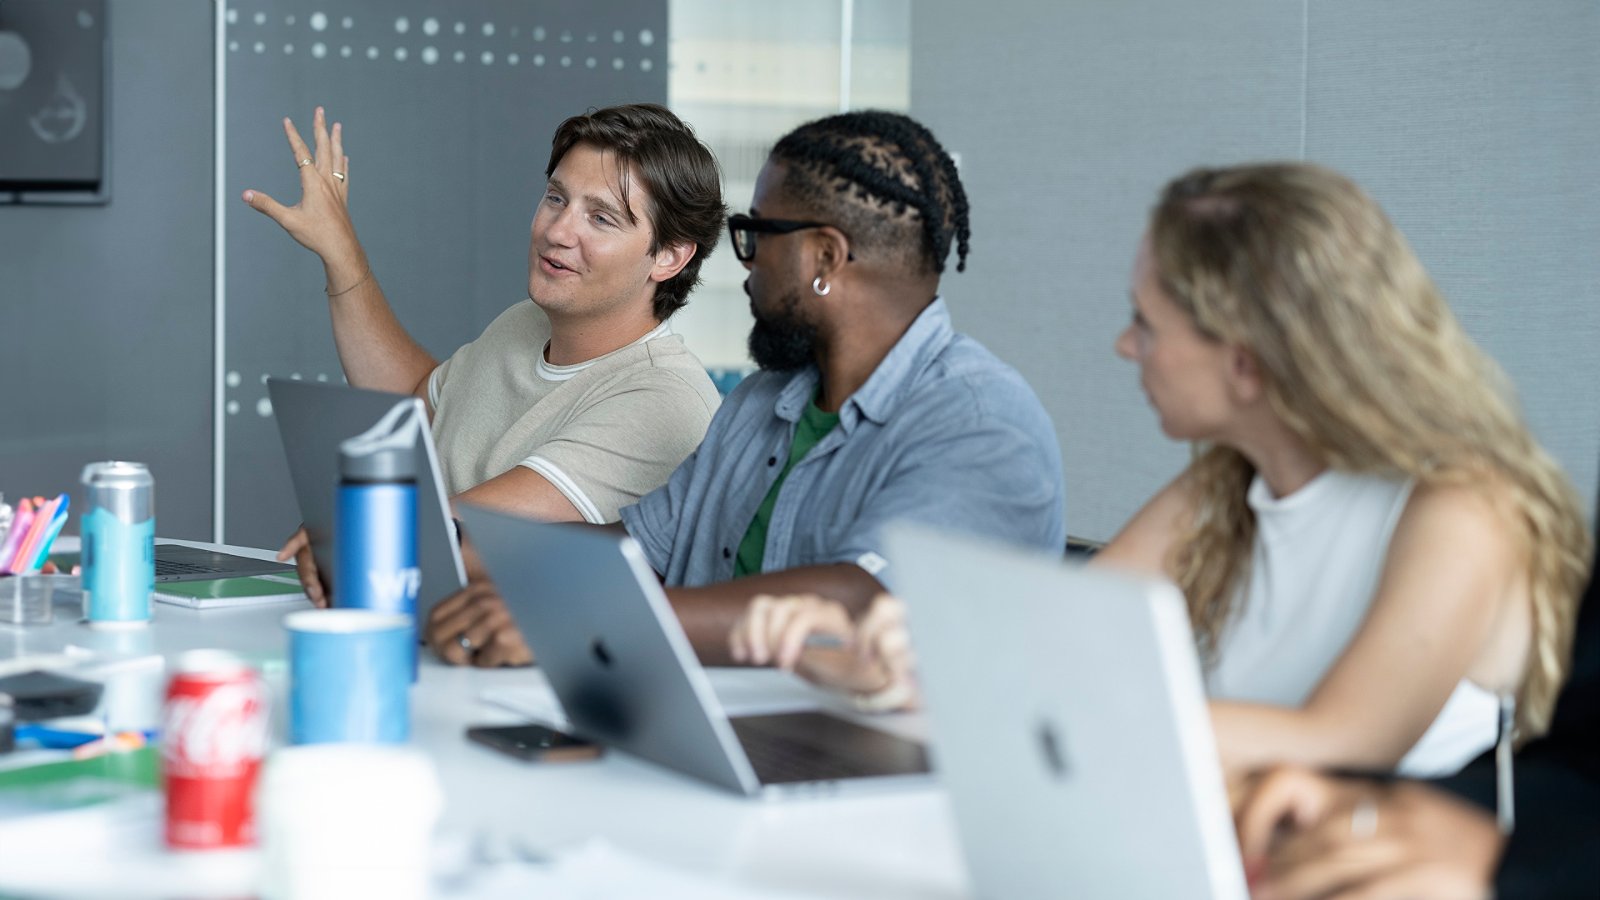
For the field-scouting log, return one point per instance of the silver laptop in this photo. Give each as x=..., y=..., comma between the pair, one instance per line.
x=602, y=630
x=180, y=562
x=176, y=562
x=1069, y=724
x=312, y=421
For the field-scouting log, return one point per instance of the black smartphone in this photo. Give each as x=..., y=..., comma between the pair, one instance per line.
x=40, y=695
x=535, y=743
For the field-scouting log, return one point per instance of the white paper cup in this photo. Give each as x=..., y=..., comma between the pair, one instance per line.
x=347, y=820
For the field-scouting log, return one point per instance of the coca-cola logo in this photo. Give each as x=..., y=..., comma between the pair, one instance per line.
x=215, y=734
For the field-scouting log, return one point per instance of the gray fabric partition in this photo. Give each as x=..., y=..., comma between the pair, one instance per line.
x=105, y=311
x=448, y=112
x=1472, y=122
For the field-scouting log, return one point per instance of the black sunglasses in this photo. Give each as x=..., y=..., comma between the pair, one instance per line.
x=743, y=229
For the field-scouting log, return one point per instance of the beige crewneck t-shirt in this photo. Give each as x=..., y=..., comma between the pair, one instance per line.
x=604, y=432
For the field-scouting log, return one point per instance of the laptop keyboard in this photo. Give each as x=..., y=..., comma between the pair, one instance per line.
x=778, y=760
x=175, y=567
x=178, y=563
x=813, y=746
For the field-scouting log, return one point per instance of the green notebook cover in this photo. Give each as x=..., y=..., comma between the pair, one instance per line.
x=77, y=783
x=230, y=591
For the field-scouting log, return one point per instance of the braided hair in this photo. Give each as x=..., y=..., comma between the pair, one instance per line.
x=884, y=180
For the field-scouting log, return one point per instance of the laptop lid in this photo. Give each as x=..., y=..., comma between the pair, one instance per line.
x=1069, y=724
x=313, y=419
x=176, y=562
x=598, y=622
x=611, y=647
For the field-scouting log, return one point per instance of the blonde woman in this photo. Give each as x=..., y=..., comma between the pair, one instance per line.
x=1372, y=546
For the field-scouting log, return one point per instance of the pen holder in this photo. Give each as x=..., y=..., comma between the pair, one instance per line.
x=28, y=599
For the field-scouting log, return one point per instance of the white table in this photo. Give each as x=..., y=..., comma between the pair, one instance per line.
x=887, y=845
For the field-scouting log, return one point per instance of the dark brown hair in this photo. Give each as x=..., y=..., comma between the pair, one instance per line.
x=682, y=183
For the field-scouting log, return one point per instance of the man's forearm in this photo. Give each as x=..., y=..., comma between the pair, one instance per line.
x=476, y=571
x=374, y=348
x=709, y=613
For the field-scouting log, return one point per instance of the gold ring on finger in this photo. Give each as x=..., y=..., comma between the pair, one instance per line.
x=305, y=162
x=339, y=175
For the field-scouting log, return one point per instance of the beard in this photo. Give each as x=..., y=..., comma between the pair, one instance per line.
x=782, y=341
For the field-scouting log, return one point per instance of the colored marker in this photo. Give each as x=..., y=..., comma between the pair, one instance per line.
x=51, y=531
x=66, y=739
x=19, y=530
x=44, y=514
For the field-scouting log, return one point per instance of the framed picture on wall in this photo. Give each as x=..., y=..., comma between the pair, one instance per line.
x=53, y=98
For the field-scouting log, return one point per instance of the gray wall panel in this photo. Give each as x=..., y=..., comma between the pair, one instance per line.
x=1472, y=122
x=447, y=160
x=105, y=311
x=1068, y=117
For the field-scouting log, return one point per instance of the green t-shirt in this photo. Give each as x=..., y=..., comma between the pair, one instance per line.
x=813, y=426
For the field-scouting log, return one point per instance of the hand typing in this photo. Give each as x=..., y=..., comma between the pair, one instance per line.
x=871, y=660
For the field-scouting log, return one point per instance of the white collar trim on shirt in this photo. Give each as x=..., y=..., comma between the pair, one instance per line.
x=562, y=373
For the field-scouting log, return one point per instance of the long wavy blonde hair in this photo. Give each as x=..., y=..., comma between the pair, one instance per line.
x=1364, y=362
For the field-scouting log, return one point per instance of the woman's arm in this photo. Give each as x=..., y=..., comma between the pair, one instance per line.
x=1145, y=544
x=1451, y=577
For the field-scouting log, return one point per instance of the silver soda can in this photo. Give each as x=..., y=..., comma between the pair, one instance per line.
x=119, y=544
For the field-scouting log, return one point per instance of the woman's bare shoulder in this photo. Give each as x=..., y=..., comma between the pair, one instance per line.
x=1145, y=543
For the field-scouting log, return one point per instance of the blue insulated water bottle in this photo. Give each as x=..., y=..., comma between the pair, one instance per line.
x=375, y=522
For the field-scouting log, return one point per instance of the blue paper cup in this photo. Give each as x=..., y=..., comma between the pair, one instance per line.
x=349, y=676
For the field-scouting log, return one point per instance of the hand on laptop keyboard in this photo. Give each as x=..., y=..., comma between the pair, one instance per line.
x=815, y=638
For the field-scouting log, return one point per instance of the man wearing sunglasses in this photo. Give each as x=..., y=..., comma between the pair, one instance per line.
x=581, y=399
x=868, y=408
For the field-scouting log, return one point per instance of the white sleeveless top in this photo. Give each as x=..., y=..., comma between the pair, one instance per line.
x=1315, y=565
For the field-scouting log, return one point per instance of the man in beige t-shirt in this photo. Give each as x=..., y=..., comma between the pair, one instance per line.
x=603, y=432
x=581, y=400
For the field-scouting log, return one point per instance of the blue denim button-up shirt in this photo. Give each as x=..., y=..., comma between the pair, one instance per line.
x=943, y=433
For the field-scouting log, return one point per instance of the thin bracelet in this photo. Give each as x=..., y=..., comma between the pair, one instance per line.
x=351, y=287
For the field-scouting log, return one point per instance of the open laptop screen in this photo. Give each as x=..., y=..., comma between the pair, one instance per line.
x=313, y=419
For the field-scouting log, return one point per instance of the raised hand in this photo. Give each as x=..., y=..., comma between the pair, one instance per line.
x=320, y=222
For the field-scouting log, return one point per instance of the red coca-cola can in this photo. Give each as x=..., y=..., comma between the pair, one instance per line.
x=213, y=735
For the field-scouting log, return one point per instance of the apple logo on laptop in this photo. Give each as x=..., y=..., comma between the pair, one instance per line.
x=1055, y=758
x=597, y=648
